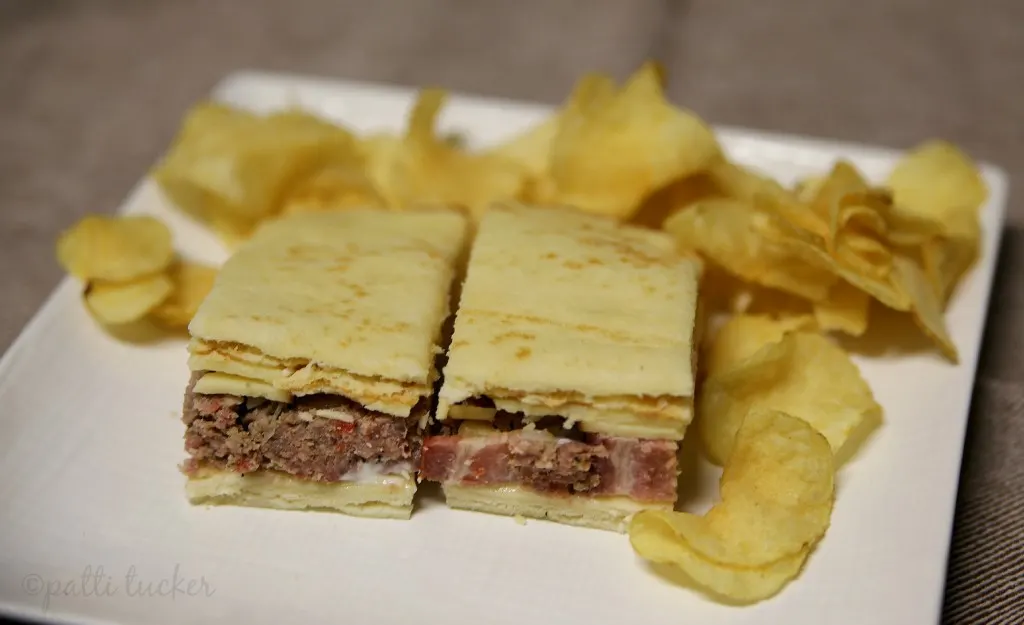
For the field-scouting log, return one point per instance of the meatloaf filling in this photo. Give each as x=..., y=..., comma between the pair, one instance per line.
x=644, y=470
x=247, y=434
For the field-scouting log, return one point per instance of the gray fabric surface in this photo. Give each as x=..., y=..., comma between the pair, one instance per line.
x=91, y=92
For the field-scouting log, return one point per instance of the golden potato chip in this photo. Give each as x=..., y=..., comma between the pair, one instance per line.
x=810, y=248
x=532, y=149
x=803, y=374
x=664, y=202
x=114, y=303
x=420, y=168
x=741, y=183
x=120, y=248
x=742, y=336
x=845, y=310
x=947, y=259
x=776, y=496
x=734, y=236
x=937, y=182
x=191, y=282
x=844, y=180
x=230, y=168
x=617, y=151
x=334, y=188
x=806, y=189
x=864, y=254
x=926, y=307
x=760, y=300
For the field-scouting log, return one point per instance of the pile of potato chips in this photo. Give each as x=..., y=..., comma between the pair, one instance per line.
x=838, y=243
x=780, y=404
x=131, y=272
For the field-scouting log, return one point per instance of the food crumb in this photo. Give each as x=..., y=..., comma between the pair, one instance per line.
x=520, y=519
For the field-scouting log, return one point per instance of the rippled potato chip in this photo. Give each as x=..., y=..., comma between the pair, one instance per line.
x=742, y=183
x=776, y=497
x=114, y=249
x=230, y=168
x=115, y=303
x=803, y=374
x=334, y=188
x=925, y=306
x=938, y=193
x=608, y=156
x=742, y=336
x=421, y=168
x=812, y=249
x=191, y=282
x=845, y=310
x=532, y=149
x=734, y=236
x=937, y=182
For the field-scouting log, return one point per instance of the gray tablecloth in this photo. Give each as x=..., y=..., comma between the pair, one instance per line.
x=92, y=91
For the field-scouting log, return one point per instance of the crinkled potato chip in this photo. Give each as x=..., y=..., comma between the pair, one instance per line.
x=803, y=374
x=742, y=336
x=735, y=237
x=664, y=202
x=741, y=183
x=191, y=283
x=811, y=249
x=616, y=151
x=334, y=188
x=114, y=303
x=947, y=259
x=531, y=150
x=777, y=492
x=423, y=169
x=938, y=193
x=115, y=249
x=926, y=307
x=936, y=181
x=230, y=168
x=845, y=310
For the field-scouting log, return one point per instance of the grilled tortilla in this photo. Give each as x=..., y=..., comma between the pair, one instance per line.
x=575, y=315
x=346, y=303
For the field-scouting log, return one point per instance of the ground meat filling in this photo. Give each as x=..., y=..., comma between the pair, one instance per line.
x=246, y=434
x=545, y=457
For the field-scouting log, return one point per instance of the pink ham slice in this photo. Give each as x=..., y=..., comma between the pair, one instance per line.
x=644, y=470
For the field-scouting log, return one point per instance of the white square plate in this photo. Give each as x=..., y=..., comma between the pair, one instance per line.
x=95, y=525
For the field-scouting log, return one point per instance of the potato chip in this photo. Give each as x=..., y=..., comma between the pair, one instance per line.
x=741, y=183
x=114, y=303
x=191, y=282
x=664, y=202
x=742, y=336
x=803, y=374
x=844, y=180
x=334, y=188
x=776, y=498
x=926, y=307
x=734, y=236
x=947, y=259
x=230, y=168
x=121, y=248
x=811, y=249
x=806, y=189
x=532, y=149
x=420, y=168
x=617, y=151
x=845, y=310
x=937, y=182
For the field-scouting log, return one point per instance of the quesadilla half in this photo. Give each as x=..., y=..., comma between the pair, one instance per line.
x=313, y=362
x=570, y=374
